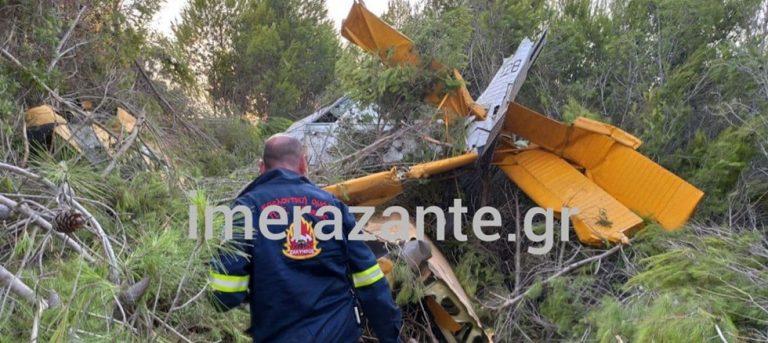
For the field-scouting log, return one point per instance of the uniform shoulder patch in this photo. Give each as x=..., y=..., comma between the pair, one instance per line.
x=303, y=246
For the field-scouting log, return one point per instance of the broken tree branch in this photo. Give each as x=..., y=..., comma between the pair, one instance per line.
x=124, y=148
x=59, y=53
x=362, y=153
x=436, y=142
x=514, y=300
x=25, y=210
x=55, y=95
x=36, y=323
x=165, y=104
x=99, y=231
x=720, y=333
x=28, y=174
x=160, y=98
x=169, y=327
x=17, y=286
x=25, y=142
x=114, y=271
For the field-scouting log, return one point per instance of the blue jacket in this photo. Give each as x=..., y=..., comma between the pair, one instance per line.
x=301, y=289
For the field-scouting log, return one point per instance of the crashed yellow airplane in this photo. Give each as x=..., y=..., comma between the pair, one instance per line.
x=588, y=165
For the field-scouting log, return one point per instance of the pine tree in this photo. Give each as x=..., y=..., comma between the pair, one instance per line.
x=283, y=57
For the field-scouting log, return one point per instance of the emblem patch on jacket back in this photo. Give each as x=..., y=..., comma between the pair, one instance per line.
x=302, y=247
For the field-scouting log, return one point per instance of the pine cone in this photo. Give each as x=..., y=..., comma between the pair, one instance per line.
x=67, y=221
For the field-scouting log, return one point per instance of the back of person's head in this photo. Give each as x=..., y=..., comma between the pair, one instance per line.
x=283, y=151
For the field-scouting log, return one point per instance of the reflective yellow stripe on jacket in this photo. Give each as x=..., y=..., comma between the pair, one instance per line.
x=229, y=283
x=368, y=277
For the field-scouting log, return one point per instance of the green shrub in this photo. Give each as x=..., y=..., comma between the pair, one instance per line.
x=7, y=91
x=143, y=194
x=564, y=304
x=274, y=125
x=700, y=284
x=718, y=165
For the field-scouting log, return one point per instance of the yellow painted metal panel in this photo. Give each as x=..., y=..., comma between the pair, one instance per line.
x=458, y=103
x=445, y=284
x=42, y=115
x=125, y=120
x=553, y=183
x=106, y=139
x=378, y=188
x=646, y=187
x=616, y=133
x=64, y=132
x=87, y=105
x=545, y=132
x=585, y=148
x=375, y=36
x=441, y=316
x=562, y=138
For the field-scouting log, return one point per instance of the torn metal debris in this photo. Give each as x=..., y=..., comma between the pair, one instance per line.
x=446, y=299
x=96, y=141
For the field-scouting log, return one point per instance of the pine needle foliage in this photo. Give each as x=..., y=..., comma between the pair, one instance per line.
x=699, y=285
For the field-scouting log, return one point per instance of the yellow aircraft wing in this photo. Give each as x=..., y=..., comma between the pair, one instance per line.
x=607, y=155
x=369, y=190
x=375, y=36
x=553, y=183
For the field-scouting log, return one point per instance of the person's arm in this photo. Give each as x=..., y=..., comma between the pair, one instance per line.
x=229, y=273
x=371, y=287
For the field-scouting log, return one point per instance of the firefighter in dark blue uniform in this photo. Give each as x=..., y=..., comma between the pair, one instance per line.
x=300, y=289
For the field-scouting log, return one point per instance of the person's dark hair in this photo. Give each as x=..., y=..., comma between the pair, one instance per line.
x=282, y=150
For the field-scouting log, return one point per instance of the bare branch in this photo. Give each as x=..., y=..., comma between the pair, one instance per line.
x=59, y=53
x=514, y=300
x=112, y=259
x=124, y=148
x=25, y=210
x=17, y=286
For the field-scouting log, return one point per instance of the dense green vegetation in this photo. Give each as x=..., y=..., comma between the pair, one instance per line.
x=688, y=77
